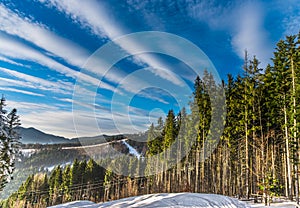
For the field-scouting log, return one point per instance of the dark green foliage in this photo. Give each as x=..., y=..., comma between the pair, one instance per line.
x=82, y=179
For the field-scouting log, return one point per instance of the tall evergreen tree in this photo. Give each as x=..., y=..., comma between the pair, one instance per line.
x=9, y=142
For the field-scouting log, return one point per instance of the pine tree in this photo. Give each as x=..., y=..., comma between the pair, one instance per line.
x=45, y=191
x=232, y=132
x=66, y=183
x=154, y=141
x=292, y=55
x=169, y=130
x=283, y=82
x=9, y=142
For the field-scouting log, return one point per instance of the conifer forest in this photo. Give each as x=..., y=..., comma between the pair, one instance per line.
x=257, y=152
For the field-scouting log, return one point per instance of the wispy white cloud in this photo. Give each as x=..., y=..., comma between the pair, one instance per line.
x=153, y=88
x=292, y=24
x=3, y=89
x=28, y=81
x=249, y=33
x=243, y=20
x=89, y=15
x=7, y=60
x=136, y=84
x=67, y=100
x=137, y=111
x=37, y=80
x=51, y=119
x=290, y=10
x=40, y=35
x=54, y=122
x=28, y=107
x=5, y=82
x=217, y=17
x=95, y=17
x=153, y=97
x=15, y=49
x=48, y=118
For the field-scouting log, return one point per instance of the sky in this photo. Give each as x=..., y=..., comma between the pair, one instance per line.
x=54, y=71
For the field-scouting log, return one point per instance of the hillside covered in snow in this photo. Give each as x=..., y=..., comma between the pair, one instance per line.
x=165, y=200
x=178, y=200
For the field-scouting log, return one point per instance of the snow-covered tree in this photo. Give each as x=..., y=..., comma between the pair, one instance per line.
x=9, y=142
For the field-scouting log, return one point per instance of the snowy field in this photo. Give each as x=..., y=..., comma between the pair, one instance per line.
x=174, y=200
x=285, y=204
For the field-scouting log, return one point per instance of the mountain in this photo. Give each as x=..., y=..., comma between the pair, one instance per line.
x=35, y=136
x=100, y=139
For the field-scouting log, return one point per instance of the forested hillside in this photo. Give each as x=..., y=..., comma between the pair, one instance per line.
x=258, y=151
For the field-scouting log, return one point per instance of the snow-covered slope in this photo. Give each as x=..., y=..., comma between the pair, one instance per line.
x=132, y=150
x=166, y=200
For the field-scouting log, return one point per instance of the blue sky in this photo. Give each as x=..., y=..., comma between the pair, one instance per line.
x=45, y=48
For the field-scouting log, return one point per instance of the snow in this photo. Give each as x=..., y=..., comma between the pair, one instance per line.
x=76, y=204
x=132, y=150
x=166, y=200
x=50, y=168
x=283, y=204
x=179, y=200
x=27, y=152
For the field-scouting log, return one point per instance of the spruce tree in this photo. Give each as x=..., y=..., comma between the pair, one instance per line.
x=9, y=142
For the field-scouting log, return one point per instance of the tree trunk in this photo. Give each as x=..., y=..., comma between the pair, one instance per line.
x=287, y=152
x=295, y=133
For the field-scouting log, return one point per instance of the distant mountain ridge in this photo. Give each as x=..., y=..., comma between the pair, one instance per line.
x=35, y=136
